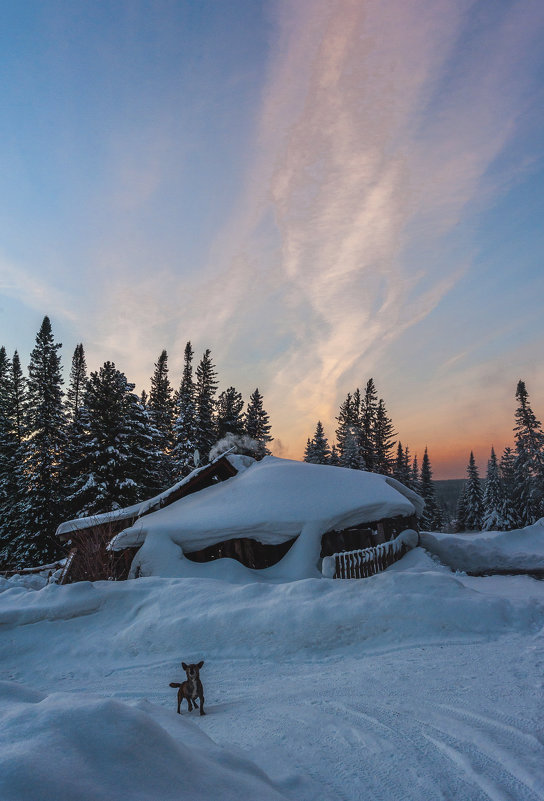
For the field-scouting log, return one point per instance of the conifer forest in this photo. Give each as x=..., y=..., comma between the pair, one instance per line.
x=97, y=446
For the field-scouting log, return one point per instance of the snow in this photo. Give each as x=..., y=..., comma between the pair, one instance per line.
x=415, y=684
x=65, y=746
x=239, y=462
x=519, y=550
x=272, y=501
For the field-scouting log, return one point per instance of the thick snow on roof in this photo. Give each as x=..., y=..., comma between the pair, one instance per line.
x=520, y=550
x=240, y=463
x=272, y=501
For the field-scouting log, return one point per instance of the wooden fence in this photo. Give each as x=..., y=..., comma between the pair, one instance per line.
x=368, y=561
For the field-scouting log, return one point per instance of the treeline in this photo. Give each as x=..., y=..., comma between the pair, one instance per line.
x=99, y=446
x=512, y=495
x=366, y=440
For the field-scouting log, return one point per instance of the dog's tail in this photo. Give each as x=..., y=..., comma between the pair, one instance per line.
x=175, y=684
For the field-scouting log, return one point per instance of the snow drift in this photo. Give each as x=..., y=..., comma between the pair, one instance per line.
x=66, y=746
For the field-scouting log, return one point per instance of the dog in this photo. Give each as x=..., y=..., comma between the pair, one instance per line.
x=190, y=689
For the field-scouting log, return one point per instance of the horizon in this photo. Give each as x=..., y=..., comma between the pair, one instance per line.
x=318, y=191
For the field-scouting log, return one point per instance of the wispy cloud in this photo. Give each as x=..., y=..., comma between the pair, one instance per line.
x=38, y=292
x=378, y=129
x=379, y=124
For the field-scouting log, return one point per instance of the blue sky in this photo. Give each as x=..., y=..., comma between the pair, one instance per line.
x=318, y=190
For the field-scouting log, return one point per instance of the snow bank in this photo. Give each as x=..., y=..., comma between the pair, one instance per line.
x=166, y=620
x=272, y=501
x=416, y=683
x=519, y=550
x=66, y=746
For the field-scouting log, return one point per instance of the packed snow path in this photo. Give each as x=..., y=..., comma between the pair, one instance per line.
x=414, y=685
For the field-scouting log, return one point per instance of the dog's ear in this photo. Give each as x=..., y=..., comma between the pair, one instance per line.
x=184, y=666
x=200, y=664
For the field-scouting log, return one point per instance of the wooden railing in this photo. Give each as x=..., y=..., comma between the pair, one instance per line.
x=369, y=561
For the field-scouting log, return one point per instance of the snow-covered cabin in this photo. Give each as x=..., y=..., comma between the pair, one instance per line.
x=278, y=515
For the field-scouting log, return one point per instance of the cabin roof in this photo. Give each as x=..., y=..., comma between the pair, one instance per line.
x=272, y=501
x=223, y=467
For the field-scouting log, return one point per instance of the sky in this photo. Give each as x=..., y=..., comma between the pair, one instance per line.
x=319, y=191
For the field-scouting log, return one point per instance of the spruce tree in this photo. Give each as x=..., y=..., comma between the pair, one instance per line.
x=415, y=479
x=206, y=388
x=368, y=420
x=76, y=388
x=119, y=465
x=258, y=424
x=508, y=480
x=160, y=409
x=529, y=465
x=317, y=449
x=73, y=456
x=185, y=428
x=6, y=456
x=401, y=466
x=473, y=497
x=431, y=519
x=493, y=498
x=230, y=417
x=384, y=440
x=347, y=423
x=352, y=454
x=45, y=431
x=334, y=458
x=309, y=451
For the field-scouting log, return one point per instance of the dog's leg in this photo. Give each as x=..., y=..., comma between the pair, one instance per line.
x=202, y=704
x=195, y=703
x=179, y=702
x=189, y=704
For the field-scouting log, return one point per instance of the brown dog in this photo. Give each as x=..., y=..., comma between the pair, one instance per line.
x=190, y=689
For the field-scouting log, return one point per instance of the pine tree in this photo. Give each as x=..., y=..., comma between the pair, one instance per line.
x=384, y=440
x=309, y=451
x=473, y=497
x=78, y=379
x=415, y=479
x=6, y=449
x=185, y=429
x=160, y=408
x=206, y=387
x=317, y=449
x=258, y=424
x=401, y=467
x=119, y=465
x=45, y=432
x=352, y=455
x=493, y=498
x=347, y=422
x=368, y=420
x=507, y=476
x=529, y=465
x=334, y=458
x=431, y=519
x=73, y=454
x=230, y=417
